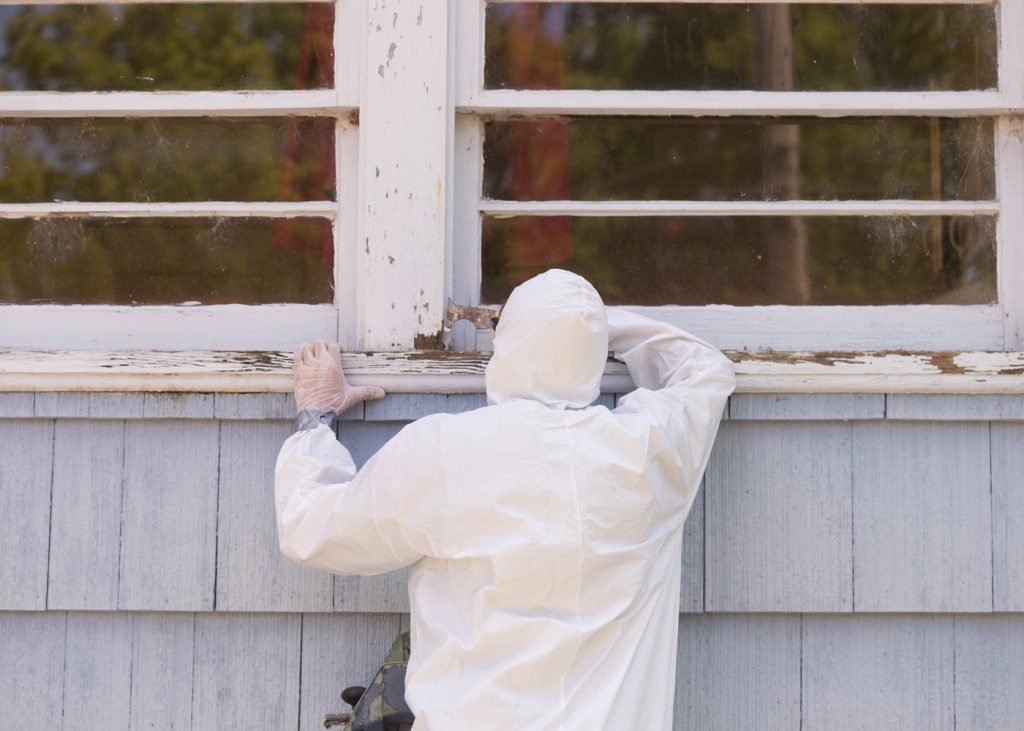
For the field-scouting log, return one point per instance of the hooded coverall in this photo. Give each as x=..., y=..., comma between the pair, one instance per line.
x=544, y=533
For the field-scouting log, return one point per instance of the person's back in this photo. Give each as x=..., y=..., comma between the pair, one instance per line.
x=545, y=533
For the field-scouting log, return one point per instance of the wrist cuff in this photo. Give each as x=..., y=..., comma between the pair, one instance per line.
x=312, y=418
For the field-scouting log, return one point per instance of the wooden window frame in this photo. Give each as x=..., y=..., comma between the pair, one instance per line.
x=407, y=222
x=959, y=327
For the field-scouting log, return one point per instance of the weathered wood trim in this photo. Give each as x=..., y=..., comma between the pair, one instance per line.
x=404, y=191
x=503, y=209
x=511, y=102
x=445, y=372
x=312, y=102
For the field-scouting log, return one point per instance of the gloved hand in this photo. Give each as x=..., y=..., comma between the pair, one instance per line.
x=320, y=383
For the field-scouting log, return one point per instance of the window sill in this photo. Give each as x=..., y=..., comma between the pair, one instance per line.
x=973, y=372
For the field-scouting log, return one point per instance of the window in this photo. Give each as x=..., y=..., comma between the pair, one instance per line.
x=770, y=175
x=784, y=175
x=175, y=174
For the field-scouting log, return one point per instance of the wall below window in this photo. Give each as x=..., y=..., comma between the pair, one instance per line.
x=852, y=561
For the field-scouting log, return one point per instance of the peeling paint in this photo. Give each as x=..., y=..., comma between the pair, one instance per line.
x=430, y=343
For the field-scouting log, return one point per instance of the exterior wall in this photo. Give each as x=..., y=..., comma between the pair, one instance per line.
x=851, y=562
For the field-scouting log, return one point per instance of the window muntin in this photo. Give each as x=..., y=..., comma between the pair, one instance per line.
x=782, y=326
x=225, y=233
x=371, y=282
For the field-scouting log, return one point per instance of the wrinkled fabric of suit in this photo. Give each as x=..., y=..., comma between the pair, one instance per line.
x=544, y=533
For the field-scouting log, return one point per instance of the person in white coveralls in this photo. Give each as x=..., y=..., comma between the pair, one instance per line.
x=544, y=533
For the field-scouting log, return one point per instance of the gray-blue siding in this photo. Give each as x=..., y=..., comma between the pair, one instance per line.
x=852, y=562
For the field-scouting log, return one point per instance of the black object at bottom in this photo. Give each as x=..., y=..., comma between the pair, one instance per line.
x=381, y=706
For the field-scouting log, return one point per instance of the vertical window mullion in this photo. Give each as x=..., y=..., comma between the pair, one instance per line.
x=403, y=169
x=1009, y=151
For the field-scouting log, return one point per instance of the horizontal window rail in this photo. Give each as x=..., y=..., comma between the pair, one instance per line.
x=219, y=209
x=509, y=102
x=305, y=103
x=161, y=2
x=502, y=208
x=769, y=2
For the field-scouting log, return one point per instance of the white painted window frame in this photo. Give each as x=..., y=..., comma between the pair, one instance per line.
x=407, y=220
x=953, y=327
x=215, y=327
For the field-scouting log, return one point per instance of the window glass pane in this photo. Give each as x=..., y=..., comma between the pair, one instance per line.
x=172, y=159
x=153, y=47
x=656, y=158
x=740, y=46
x=157, y=261
x=750, y=260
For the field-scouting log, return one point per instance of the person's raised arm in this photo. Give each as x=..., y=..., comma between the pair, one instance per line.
x=682, y=381
x=330, y=516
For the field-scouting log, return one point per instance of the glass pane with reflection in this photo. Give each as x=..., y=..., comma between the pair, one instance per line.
x=170, y=159
x=165, y=261
x=826, y=47
x=166, y=46
x=665, y=158
x=700, y=260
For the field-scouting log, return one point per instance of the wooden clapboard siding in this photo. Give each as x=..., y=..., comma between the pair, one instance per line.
x=989, y=671
x=775, y=507
x=246, y=672
x=85, y=520
x=808, y=407
x=778, y=518
x=922, y=525
x=877, y=672
x=26, y=473
x=736, y=671
x=691, y=586
x=252, y=573
x=841, y=565
x=1008, y=517
x=15, y=405
x=32, y=669
x=97, y=670
x=163, y=661
x=169, y=515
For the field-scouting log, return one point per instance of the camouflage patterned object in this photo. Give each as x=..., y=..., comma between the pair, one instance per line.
x=382, y=707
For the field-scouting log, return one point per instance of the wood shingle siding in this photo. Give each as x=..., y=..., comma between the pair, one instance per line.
x=168, y=516
x=1008, y=517
x=88, y=482
x=878, y=671
x=778, y=518
x=26, y=473
x=851, y=561
x=922, y=520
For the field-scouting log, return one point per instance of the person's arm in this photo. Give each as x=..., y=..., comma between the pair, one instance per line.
x=333, y=517
x=682, y=382
x=330, y=516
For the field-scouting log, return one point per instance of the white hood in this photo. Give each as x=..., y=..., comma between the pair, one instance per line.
x=551, y=343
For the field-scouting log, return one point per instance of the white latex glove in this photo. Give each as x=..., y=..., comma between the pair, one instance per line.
x=320, y=382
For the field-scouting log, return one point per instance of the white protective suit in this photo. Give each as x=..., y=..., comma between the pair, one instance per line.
x=545, y=533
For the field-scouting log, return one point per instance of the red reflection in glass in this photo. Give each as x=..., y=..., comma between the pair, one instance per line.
x=541, y=168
